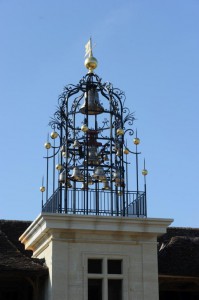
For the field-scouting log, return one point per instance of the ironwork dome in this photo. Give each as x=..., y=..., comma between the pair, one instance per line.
x=87, y=159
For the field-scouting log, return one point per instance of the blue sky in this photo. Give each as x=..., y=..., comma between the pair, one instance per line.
x=149, y=49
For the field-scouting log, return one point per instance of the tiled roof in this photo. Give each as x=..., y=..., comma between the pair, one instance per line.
x=13, y=256
x=178, y=252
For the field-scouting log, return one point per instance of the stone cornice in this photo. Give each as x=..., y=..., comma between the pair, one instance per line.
x=46, y=224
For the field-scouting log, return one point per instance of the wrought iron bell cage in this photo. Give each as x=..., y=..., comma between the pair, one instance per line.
x=87, y=160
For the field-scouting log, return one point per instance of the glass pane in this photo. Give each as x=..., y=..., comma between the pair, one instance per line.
x=114, y=289
x=94, y=289
x=95, y=266
x=114, y=266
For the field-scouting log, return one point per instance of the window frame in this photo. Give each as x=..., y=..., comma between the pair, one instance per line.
x=104, y=275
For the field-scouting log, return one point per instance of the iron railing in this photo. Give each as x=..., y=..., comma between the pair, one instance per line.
x=104, y=203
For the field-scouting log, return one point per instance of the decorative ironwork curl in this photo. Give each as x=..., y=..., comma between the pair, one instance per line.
x=93, y=145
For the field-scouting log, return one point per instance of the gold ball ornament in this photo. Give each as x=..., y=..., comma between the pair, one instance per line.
x=54, y=135
x=144, y=172
x=126, y=151
x=47, y=145
x=136, y=141
x=91, y=63
x=59, y=167
x=120, y=131
x=42, y=189
x=84, y=128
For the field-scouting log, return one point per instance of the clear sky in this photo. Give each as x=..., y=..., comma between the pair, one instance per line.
x=149, y=49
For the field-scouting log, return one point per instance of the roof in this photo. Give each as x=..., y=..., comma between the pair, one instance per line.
x=178, y=252
x=13, y=256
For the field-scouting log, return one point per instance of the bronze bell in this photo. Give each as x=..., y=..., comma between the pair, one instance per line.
x=119, y=152
x=62, y=177
x=117, y=177
x=91, y=104
x=69, y=185
x=105, y=157
x=77, y=175
x=99, y=174
x=93, y=156
x=84, y=186
x=106, y=185
x=76, y=144
x=64, y=180
x=90, y=181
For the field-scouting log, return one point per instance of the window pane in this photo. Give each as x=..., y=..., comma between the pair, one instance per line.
x=114, y=266
x=94, y=289
x=114, y=289
x=95, y=266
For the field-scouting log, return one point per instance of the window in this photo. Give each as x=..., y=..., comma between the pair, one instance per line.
x=105, y=278
x=114, y=266
x=114, y=289
x=95, y=289
x=95, y=266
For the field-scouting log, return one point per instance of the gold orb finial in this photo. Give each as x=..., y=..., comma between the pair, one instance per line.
x=144, y=172
x=120, y=131
x=47, y=145
x=42, y=189
x=126, y=150
x=136, y=141
x=59, y=167
x=54, y=135
x=90, y=61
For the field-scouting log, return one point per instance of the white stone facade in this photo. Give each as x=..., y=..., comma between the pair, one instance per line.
x=68, y=241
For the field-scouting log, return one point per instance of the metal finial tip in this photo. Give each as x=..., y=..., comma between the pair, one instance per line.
x=90, y=61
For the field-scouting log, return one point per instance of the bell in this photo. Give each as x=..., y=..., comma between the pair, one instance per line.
x=99, y=174
x=120, y=193
x=119, y=181
x=92, y=156
x=64, y=180
x=84, y=186
x=116, y=175
x=84, y=128
x=106, y=185
x=90, y=181
x=62, y=177
x=91, y=104
x=63, y=148
x=105, y=157
x=119, y=153
x=63, y=153
x=76, y=144
x=69, y=185
x=77, y=175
